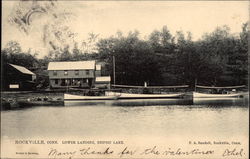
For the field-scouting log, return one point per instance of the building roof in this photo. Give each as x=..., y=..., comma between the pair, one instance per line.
x=98, y=67
x=22, y=69
x=103, y=79
x=72, y=65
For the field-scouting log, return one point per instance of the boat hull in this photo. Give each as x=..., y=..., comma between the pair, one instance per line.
x=144, y=96
x=206, y=95
x=70, y=97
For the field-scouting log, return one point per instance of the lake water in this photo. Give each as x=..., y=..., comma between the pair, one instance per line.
x=165, y=117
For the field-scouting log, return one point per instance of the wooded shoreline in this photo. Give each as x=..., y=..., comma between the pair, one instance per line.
x=219, y=58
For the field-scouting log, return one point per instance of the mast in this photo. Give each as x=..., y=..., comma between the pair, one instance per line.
x=114, y=69
x=195, y=84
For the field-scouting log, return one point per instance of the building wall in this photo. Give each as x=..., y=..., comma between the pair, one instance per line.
x=98, y=73
x=60, y=80
x=33, y=77
x=79, y=82
x=71, y=74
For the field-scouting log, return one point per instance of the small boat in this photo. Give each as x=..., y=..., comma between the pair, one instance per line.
x=207, y=95
x=143, y=96
x=220, y=92
x=70, y=97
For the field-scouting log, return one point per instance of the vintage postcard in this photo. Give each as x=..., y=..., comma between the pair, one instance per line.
x=124, y=79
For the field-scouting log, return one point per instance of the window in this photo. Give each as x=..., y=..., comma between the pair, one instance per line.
x=76, y=72
x=56, y=81
x=55, y=73
x=66, y=73
x=87, y=72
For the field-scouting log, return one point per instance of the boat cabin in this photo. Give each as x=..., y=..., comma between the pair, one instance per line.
x=219, y=90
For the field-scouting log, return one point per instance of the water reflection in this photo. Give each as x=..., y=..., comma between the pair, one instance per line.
x=163, y=117
x=221, y=101
x=88, y=103
x=163, y=102
x=131, y=102
x=186, y=102
x=150, y=102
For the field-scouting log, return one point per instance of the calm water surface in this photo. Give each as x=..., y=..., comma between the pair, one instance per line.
x=130, y=117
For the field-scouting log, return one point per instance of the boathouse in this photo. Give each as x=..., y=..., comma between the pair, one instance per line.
x=78, y=74
x=15, y=77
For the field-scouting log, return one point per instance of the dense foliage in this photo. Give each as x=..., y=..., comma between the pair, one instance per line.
x=218, y=58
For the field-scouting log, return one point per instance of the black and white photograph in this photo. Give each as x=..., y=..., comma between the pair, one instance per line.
x=135, y=79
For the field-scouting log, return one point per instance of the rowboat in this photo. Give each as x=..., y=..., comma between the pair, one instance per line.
x=70, y=97
x=143, y=96
x=207, y=95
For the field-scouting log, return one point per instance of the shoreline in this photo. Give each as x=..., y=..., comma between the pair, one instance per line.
x=25, y=99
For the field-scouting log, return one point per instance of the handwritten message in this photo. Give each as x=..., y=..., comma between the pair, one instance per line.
x=119, y=149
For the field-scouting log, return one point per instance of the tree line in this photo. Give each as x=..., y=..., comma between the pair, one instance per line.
x=219, y=58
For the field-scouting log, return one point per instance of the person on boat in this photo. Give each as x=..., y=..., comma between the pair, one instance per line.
x=224, y=91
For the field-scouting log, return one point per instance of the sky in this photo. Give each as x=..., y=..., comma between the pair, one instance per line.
x=107, y=17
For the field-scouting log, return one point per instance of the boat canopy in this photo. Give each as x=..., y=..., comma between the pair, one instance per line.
x=227, y=87
x=129, y=86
